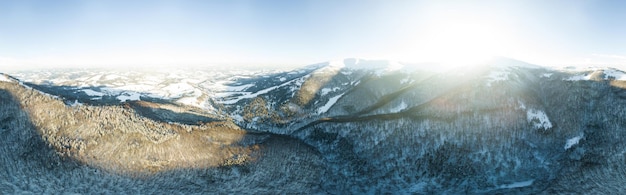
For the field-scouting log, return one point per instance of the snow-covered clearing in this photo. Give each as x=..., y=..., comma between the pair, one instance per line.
x=329, y=104
x=572, y=141
x=538, y=118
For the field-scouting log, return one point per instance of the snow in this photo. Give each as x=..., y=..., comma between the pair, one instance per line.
x=406, y=80
x=518, y=184
x=381, y=66
x=91, y=92
x=614, y=74
x=239, y=88
x=237, y=118
x=329, y=104
x=579, y=78
x=136, y=87
x=521, y=105
x=538, y=118
x=496, y=76
x=5, y=79
x=113, y=77
x=167, y=84
x=325, y=91
x=248, y=95
x=400, y=107
x=298, y=83
x=179, y=87
x=547, y=75
x=126, y=96
x=609, y=73
x=75, y=103
x=572, y=141
x=192, y=101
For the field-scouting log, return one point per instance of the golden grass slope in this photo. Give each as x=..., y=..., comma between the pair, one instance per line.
x=116, y=139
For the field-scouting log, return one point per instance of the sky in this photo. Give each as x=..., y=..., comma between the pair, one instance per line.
x=81, y=33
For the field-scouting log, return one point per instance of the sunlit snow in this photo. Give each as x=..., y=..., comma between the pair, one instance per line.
x=329, y=104
x=5, y=78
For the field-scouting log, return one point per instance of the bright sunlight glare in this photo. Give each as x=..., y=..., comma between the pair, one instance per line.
x=459, y=40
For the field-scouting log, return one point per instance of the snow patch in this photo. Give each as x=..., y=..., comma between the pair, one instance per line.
x=325, y=91
x=329, y=104
x=521, y=105
x=192, y=101
x=91, y=92
x=5, y=79
x=126, y=96
x=76, y=103
x=614, y=74
x=518, y=184
x=406, y=80
x=336, y=63
x=400, y=107
x=579, y=78
x=572, y=141
x=495, y=76
x=248, y=95
x=239, y=88
x=237, y=118
x=547, y=75
x=538, y=118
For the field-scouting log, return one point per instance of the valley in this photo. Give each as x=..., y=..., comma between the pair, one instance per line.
x=347, y=126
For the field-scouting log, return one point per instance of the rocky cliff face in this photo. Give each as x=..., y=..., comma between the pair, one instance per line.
x=358, y=126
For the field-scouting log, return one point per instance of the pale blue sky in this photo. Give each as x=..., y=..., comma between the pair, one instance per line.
x=88, y=33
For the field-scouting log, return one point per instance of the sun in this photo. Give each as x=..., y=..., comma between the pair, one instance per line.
x=453, y=42
x=459, y=40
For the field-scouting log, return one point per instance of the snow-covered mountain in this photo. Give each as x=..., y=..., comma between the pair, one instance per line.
x=379, y=126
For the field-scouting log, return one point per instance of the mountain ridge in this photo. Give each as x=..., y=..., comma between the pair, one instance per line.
x=504, y=127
